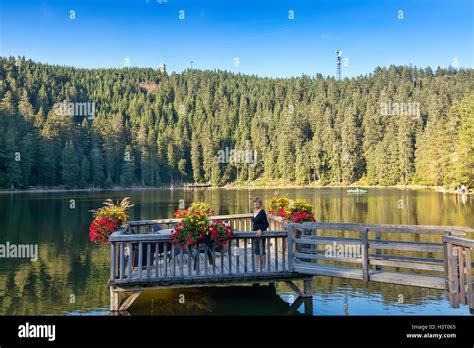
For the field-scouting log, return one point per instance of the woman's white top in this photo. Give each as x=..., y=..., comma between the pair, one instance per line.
x=256, y=212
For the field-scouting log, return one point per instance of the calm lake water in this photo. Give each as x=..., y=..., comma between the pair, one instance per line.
x=70, y=276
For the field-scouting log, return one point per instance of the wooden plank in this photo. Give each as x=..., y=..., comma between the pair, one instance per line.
x=327, y=240
x=199, y=281
x=114, y=299
x=245, y=255
x=378, y=237
x=470, y=294
x=290, y=247
x=122, y=261
x=412, y=265
x=453, y=277
x=237, y=245
x=213, y=259
x=421, y=229
x=408, y=258
x=467, y=243
x=140, y=259
x=446, y=266
x=157, y=259
x=222, y=261
x=229, y=252
x=268, y=251
x=277, y=240
x=322, y=257
x=117, y=259
x=128, y=302
x=314, y=247
x=112, y=261
x=197, y=259
x=295, y=288
x=399, y=278
x=328, y=270
x=148, y=259
x=411, y=279
x=130, y=260
x=283, y=253
x=308, y=287
x=407, y=246
x=451, y=290
x=253, y=258
x=173, y=255
x=165, y=259
x=190, y=270
x=365, y=254
x=181, y=261
x=174, y=220
x=163, y=237
x=462, y=286
x=206, y=260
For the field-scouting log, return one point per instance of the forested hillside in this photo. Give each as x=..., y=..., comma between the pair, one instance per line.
x=150, y=127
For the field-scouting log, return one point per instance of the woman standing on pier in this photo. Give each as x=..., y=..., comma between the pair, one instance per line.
x=259, y=224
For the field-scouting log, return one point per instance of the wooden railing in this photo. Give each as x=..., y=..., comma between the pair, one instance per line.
x=458, y=270
x=305, y=256
x=276, y=223
x=239, y=222
x=139, y=254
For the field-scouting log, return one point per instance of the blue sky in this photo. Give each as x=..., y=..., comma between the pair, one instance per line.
x=259, y=34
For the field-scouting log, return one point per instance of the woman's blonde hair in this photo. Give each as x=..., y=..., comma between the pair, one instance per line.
x=258, y=199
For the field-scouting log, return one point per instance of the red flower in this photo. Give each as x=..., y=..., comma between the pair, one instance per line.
x=101, y=228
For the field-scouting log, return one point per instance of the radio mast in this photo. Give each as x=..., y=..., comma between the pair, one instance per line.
x=338, y=62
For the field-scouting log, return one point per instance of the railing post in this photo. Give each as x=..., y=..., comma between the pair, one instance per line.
x=365, y=254
x=289, y=231
x=112, y=261
x=462, y=287
x=452, y=277
x=378, y=252
x=470, y=293
x=446, y=266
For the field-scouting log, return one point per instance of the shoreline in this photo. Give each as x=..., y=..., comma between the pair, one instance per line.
x=440, y=189
x=234, y=186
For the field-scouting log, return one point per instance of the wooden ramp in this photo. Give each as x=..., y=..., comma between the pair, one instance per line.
x=376, y=257
x=381, y=276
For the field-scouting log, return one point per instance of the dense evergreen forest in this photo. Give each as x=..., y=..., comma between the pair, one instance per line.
x=151, y=127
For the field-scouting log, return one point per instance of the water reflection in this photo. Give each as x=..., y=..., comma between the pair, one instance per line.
x=71, y=273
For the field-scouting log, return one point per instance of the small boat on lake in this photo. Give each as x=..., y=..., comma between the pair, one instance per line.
x=356, y=190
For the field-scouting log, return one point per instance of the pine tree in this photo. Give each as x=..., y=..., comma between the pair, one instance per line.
x=85, y=172
x=97, y=168
x=70, y=167
x=128, y=168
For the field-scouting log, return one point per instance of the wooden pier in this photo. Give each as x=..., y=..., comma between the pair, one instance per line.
x=142, y=258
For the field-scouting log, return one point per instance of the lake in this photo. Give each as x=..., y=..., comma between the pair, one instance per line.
x=70, y=275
